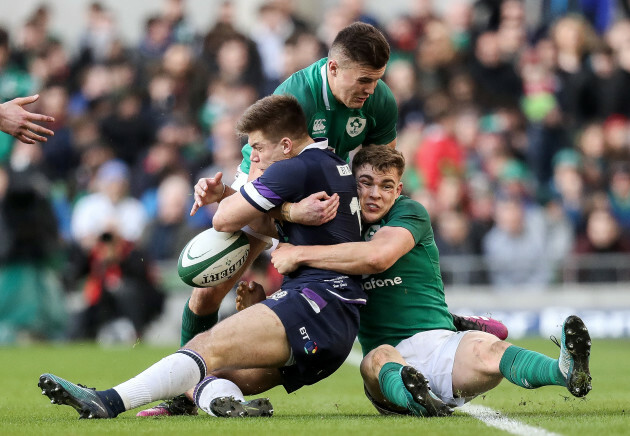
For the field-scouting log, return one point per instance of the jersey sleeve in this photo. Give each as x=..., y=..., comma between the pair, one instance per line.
x=282, y=181
x=412, y=216
x=299, y=87
x=386, y=116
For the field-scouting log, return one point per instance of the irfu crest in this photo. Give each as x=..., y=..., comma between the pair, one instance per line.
x=355, y=126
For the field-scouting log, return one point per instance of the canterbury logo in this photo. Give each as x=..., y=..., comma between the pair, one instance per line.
x=319, y=125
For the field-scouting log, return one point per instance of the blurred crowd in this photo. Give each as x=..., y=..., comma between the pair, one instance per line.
x=513, y=117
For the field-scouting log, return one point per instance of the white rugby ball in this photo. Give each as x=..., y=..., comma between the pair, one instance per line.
x=212, y=257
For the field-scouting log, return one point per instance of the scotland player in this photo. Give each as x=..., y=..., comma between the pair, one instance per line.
x=300, y=335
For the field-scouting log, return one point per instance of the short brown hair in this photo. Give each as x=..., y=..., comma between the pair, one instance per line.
x=380, y=157
x=361, y=43
x=276, y=116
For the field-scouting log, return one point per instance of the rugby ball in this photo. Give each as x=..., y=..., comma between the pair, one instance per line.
x=212, y=257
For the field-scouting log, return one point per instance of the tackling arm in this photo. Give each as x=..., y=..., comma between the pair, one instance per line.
x=385, y=248
x=234, y=213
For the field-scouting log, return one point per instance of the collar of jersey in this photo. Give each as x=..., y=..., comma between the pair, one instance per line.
x=321, y=143
x=329, y=99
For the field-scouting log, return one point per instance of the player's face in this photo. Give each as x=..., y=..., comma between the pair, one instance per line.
x=377, y=192
x=265, y=151
x=351, y=83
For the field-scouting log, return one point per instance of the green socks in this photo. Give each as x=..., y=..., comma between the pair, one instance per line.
x=530, y=369
x=394, y=390
x=194, y=324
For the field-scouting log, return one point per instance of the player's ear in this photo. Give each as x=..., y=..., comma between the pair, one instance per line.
x=287, y=145
x=399, y=189
x=333, y=66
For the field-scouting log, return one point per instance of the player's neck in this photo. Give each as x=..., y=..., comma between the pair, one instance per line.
x=299, y=145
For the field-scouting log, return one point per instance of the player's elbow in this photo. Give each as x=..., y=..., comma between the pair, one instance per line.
x=222, y=224
x=377, y=263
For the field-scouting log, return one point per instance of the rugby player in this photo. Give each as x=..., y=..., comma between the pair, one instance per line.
x=317, y=310
x=412, y=351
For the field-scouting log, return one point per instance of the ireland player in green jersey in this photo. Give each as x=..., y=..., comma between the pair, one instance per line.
x=415, y=361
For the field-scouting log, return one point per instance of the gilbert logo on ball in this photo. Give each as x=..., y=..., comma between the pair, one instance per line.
x=212, y=257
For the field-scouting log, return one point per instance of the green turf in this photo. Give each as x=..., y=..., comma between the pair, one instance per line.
x=335, y=406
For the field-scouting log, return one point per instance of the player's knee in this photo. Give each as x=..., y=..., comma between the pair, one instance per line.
x=488, y=350
x=375, y=359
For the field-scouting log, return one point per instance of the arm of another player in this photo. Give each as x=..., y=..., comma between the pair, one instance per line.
x=384, y=249
x=18, y=122
x=210, y=190
x=316, y=209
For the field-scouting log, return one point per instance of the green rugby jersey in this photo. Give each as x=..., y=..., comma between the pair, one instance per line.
x=345, y=128
x=408, y=297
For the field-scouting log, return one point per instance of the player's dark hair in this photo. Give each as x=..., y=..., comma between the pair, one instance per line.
x=275, y=116
x=379, y=157
x=361, y=43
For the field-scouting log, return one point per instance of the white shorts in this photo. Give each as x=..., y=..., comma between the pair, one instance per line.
x=433, y=354
x=240, y=178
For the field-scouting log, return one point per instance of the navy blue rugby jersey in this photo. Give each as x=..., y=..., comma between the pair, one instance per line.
x=315, y=169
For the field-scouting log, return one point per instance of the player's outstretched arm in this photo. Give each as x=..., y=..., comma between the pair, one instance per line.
x=210, y=190
x=18, y=122
x=387, y=246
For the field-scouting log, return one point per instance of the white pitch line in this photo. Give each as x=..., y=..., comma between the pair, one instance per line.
x=488, y=416
x=492, y=418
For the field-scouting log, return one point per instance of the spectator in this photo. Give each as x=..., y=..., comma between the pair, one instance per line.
x=515, y=249
x=619, y=195
x=456, y=246
x=496, y=80
x=401, y=79
x=129, y=130
x=574, y=40
x=121, y=294
x=616, y=132
x=272, y=28
x=14, y=82
x=108, y=209
x=592, y=145
x=568, y=185
x=31, y=298
x=602, y=236
x=165, y=235
x=439, y=153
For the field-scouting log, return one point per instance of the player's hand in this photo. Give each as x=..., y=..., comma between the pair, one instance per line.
x=207, y=191
x=18, y=122
x=284, y=259
x=316, y=209
x=248, y=294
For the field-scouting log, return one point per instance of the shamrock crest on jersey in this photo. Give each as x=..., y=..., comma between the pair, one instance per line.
x=355, y=126
x=371, y=231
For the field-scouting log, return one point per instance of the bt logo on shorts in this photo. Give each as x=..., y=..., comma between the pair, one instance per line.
x=310, y=347
x=278, y=295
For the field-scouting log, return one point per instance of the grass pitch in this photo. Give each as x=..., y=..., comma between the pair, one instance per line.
x=335, y=406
